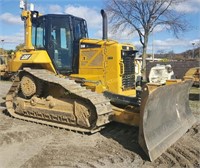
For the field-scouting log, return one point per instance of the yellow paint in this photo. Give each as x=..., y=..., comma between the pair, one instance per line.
x=39, y=57
x=28, y=29
x=172, y=81
x=126, y=116
x=103, y=64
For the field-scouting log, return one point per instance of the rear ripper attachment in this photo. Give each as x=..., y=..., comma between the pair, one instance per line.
x=41, y=97
x=165, y=116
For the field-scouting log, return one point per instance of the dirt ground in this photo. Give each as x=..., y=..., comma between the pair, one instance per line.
x=24, y=144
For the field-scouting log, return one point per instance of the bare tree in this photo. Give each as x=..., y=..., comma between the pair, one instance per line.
x=143, y=16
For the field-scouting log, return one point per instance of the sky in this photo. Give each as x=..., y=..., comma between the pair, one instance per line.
x=12, y=29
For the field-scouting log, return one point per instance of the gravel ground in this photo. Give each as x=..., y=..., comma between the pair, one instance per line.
x=24, y=144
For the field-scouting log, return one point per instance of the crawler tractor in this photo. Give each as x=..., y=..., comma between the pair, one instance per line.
x=195, y=74
x=4, y=66
x=68, y=80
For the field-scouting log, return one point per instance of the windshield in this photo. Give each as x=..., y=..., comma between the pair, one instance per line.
x=80, y=29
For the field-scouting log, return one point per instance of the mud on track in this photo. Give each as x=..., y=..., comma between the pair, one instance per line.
x=24, y=144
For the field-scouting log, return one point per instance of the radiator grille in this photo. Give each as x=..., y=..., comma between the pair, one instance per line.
x=128, y=78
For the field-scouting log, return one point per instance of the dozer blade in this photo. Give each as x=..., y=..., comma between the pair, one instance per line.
x=165, y=117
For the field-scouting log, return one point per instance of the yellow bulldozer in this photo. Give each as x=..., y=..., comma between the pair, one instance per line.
x=68, y=80
x=4, y=66
x=195, y=74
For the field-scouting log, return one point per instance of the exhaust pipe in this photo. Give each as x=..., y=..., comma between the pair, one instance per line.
x=105, y=25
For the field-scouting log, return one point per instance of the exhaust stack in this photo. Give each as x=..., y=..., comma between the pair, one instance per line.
x=105, y=25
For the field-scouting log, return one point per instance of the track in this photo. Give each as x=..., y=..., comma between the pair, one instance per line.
x=98, y=106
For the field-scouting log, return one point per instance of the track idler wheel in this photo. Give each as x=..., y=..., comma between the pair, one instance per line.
x=29, y=86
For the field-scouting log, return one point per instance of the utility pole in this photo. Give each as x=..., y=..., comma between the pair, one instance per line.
x=193, y=50
x=2, y=41
x=152, y=46
x=199, y=48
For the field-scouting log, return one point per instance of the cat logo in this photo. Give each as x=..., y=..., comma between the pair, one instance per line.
x=25, y=57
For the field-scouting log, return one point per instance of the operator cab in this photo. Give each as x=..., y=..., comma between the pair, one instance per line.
x=59, y=35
